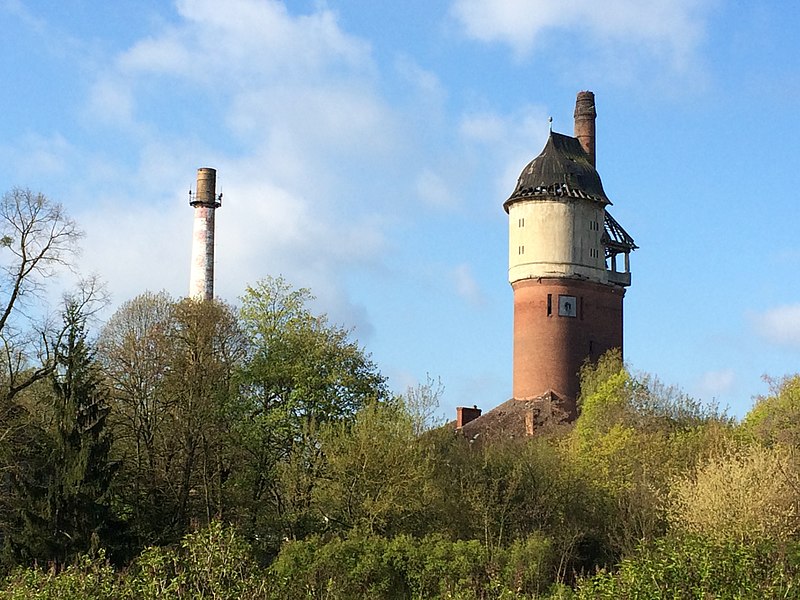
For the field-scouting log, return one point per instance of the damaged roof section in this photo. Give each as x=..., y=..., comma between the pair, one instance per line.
x=563, y=169
x=517, y=419
x=615, y=238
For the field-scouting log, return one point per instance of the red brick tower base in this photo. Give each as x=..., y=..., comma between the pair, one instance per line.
x=558, y=324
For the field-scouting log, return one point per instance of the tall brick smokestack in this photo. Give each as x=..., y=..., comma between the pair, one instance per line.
x=585, y=115
x=205, y=202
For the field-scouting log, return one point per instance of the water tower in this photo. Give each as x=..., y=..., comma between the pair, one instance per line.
x=569, y=264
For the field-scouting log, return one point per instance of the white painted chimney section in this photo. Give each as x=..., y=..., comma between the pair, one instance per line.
x=205, y=202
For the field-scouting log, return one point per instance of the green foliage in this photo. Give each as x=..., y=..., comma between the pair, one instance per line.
x=776, y=418
x=135, y=350
x=504, y=492
x=527, y=566
x=747, y=494
x=207, y=350
x=693, y=567
x=405, y=567
x=86, y=579
x=172, y=369
x=375, y=473
x=299, y=362
x=63, y=493
x=212, y=563
x=421, y=402
x=301, y=372
x=633, y=437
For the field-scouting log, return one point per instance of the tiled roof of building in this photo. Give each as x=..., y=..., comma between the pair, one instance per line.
x=518, y=419
x=562, y=169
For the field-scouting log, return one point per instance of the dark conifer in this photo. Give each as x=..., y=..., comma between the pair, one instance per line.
x=63, y=492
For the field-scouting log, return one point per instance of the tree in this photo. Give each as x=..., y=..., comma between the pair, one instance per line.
x=745, y=494
x=422, y=404
x=135, y=351
x=63, y=493
x=632, y=437
x=774, y=418
x=375, y=472
x=172, y=367
x=299, y=362
x=37, y=238
x=207, y=348
x=301, y=371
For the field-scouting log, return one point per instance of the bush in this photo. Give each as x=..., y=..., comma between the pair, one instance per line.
x=405, y=567
x=746, y=494
x=696, y=567
x=353, y=568
x=86, y=579
x=212, y=563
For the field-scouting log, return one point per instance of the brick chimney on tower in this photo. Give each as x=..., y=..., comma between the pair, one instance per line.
x=585, y=115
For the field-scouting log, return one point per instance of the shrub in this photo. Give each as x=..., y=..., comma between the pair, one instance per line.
x=695, y=567
x=86, y=579
x=212, y=563
x=405, y=567
x=746, y=494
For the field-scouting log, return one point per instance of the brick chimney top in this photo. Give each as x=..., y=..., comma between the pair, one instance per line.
x=585, y=115
x=465, y=414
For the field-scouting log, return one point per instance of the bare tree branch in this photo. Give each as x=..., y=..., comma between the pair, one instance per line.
x=37, y=238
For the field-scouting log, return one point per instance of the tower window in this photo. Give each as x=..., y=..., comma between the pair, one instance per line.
x=522, y=249
x=522, y=222
x=567, y=306
x=549, y=304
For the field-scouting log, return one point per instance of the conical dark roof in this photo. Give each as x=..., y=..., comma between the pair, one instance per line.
x=562, y=169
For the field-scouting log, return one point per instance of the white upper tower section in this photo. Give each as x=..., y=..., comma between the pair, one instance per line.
x=558, y=223
x=556, y=216
x=552, y=238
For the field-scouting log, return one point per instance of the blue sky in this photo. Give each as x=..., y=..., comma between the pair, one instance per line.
x=365, y=150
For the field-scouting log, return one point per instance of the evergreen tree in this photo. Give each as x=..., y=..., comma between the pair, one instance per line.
x=63, y=490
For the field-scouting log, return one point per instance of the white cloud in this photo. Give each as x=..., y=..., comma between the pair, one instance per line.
x=424, y=82
x=35, y=157
x=510, y=141
x=219, y=42
x=467, y=286
x=134, y=248
x=16, y=9
x=780, y=325
x=714, y=384
x=111, y=102
x=287, y=109
x=484, y=127
x=435, y=191
x=671, y=28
